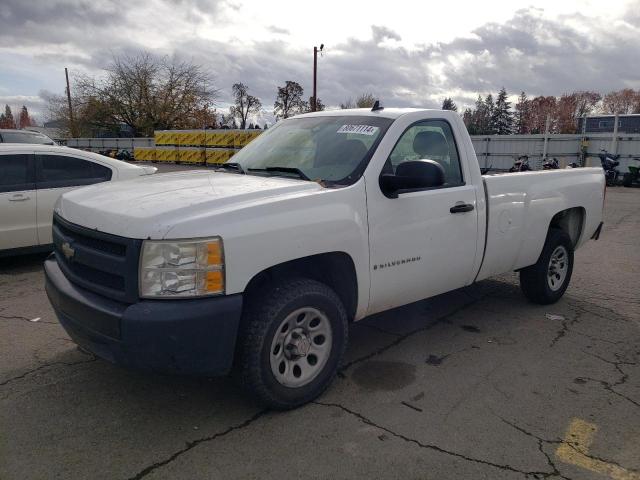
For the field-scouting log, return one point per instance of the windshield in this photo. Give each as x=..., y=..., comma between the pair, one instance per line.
x=26, y=137
x=328, y=149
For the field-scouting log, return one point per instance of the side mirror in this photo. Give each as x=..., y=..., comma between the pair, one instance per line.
x=412, y=175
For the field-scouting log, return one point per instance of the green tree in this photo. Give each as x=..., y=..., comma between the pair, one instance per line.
x=501, y=116
x=469, y=121
x=521, y=119
x=488, y=127
x=6, y=119
x=449, y=104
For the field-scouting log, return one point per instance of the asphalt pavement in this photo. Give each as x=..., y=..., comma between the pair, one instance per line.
x=476, y=383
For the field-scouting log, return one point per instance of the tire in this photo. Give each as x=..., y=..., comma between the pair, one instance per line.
x=279, y=329
x=627, y=180
x=537, y=282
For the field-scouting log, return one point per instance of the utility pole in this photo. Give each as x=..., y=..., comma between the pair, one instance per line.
x=71, y=124
x=314, y=103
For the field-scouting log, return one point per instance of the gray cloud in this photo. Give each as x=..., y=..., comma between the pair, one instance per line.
x=278, y=30
x=381, y=33
x=57, y=21
x=528, y=52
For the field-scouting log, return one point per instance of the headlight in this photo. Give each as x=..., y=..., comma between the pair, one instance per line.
x=181, y=268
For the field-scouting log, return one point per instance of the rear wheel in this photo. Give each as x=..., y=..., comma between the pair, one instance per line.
x=546, y=281
x=292, y=341
x=627, y=179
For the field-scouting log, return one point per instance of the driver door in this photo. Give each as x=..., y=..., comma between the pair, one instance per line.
x=420, y=247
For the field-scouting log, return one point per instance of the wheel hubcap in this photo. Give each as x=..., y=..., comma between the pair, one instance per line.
x=558, y=267
x=301, y=347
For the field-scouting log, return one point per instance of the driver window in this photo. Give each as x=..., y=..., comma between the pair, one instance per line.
x=428, y=140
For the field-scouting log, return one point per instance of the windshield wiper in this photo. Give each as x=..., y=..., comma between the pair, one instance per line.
x=295, y=170
x=231, y=166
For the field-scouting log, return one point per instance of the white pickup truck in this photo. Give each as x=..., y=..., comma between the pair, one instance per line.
x=260, y=266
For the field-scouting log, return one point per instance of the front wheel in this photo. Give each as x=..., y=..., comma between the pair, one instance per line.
x=546, y=281
x=292, y=341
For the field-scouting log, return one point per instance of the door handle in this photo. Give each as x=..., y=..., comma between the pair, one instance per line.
x=461, y=208
x=19, y=197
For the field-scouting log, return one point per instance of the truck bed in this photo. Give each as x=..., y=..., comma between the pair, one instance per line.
x=520, y=207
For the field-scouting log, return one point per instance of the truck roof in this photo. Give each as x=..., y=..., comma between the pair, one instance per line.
x=384, y=112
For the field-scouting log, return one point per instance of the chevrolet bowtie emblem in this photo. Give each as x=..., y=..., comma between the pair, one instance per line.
x=67, y=250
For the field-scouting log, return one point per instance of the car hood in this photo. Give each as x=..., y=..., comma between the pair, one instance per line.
x=149, y=206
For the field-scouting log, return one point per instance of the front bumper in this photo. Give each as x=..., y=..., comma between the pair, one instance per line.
x=195, y=337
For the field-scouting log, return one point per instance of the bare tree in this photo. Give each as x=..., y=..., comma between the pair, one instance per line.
x=366, y=100
x=624, y=101
x=572, y=106
x=306, y=106
x=24, y=120
x=540, y=108
x=245, y=104
x=143, y=92
x=289, y=100
x=349, y=103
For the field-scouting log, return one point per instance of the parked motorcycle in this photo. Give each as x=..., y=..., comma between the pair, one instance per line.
x=633, y=175
x=124, y=155
x=521, y=164
x=552, y=164
x=609, y=163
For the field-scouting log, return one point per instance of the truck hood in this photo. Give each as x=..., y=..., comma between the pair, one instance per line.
x=149, y=206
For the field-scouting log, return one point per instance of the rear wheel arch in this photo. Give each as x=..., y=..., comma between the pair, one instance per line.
x=571, y=222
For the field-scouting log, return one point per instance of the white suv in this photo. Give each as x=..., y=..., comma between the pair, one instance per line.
x=32, y=177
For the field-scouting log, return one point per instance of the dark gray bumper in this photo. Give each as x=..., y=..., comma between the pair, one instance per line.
x=172, y=336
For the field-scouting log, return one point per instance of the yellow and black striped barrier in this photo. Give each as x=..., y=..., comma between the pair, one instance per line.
x=204, y=147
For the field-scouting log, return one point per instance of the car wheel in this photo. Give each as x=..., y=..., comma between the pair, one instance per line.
x=292, y=341
x=546, y=281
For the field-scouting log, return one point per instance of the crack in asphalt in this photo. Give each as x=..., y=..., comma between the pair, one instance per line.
x=624, y=376
x=436, y=448
x=194, y=443
x=29, y=320
x=574, y=446
x=564, y=329
x=46, y=365
x=579, y=311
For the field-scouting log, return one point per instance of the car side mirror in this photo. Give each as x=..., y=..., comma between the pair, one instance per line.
x=410, y=176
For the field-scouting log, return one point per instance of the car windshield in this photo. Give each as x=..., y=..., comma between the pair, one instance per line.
x=334, y=150
x=26, y=137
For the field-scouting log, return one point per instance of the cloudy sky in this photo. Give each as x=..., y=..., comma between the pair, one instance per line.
x=407, y=53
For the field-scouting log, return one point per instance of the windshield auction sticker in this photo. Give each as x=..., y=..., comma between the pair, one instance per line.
x=360, y=129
